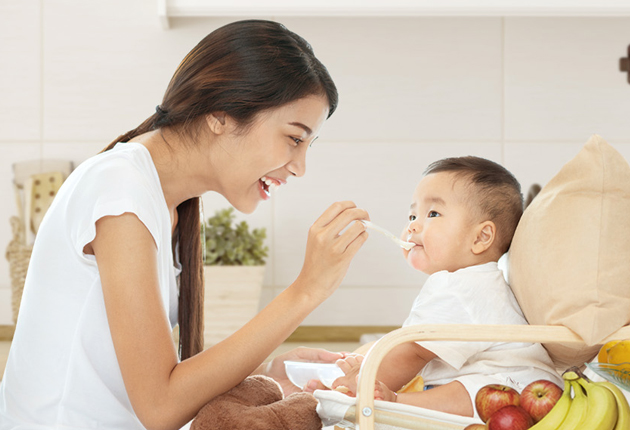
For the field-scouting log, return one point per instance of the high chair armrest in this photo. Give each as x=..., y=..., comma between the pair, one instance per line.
x=454, y=332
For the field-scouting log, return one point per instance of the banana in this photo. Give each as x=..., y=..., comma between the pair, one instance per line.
x=555, y=416
x=601, y=410
x=578, y=410
x=623, y=409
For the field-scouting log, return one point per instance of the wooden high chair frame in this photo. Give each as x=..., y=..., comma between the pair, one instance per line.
x=449, y=332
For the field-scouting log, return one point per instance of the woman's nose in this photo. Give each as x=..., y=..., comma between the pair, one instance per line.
x=297, y=166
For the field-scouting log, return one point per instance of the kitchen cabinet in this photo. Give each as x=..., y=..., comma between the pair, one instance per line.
x=168, y=9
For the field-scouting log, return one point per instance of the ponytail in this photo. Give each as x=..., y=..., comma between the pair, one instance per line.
x=190, y=315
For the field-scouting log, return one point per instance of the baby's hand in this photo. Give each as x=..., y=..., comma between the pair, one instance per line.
x=350, y=366
x=381, y=392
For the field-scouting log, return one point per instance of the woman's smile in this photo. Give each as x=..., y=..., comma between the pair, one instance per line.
x=266, y=183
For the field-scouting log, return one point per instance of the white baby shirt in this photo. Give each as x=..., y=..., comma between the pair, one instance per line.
x=62, y=370
x=477, y=295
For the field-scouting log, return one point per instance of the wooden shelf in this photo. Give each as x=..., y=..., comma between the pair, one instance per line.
x=365, y=8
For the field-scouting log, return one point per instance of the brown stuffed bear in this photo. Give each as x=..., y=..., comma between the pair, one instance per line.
x=257, y=403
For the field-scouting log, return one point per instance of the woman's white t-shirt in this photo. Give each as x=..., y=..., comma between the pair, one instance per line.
x=62, y=370
x=477, y=295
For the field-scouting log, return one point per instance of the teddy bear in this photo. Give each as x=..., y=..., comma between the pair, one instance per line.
x=257, y=403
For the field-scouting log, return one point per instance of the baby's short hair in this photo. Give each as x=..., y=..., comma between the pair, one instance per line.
x=497, y=194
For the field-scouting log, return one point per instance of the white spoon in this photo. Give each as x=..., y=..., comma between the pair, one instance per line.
x=396, y=239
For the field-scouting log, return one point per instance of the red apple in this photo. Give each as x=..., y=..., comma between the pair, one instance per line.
x=539, y=397
x=510, y=418
x=493, y=397
x=475, y=427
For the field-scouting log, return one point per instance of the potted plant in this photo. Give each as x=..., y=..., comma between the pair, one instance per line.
x=234, y=268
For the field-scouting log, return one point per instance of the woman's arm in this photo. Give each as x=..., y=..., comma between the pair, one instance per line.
x=165, y=394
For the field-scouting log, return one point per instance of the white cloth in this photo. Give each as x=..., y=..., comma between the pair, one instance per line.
x=477, y=295
x=62, y=370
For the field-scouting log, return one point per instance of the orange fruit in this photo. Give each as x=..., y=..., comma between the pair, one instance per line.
x=620, y=353
x=602, y=357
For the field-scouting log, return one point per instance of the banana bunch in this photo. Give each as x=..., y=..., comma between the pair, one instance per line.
x=593, y=406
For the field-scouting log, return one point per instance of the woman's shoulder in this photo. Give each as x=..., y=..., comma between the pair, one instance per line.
x=120, y=170
x=125, y=159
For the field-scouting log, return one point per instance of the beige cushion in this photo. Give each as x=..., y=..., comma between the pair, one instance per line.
x=570, y=257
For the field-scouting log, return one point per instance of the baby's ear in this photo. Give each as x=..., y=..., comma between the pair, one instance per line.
x=486, y=233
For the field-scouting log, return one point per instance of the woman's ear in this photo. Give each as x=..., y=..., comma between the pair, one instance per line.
x=217, y=122
x=486, y=234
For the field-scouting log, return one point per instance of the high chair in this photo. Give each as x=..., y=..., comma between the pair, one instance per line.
x=369, y=414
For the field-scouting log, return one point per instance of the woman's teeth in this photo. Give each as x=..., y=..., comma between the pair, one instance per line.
x=270, y=184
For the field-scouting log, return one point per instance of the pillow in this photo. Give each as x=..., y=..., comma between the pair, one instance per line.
x=569, y=262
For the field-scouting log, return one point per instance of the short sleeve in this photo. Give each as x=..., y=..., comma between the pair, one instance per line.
x=443, y=300
x=111, y=189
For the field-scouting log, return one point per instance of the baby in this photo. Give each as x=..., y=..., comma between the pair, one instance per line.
x=462, y=218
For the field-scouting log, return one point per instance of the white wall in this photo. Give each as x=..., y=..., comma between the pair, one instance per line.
x=526, y=92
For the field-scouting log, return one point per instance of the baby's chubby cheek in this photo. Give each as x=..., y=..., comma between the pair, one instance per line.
x=415, y=257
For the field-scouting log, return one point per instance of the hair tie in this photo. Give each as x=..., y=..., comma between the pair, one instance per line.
x=160, y=111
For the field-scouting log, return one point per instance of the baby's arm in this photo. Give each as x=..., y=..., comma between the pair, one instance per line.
x=402, y=364
x=398, y=367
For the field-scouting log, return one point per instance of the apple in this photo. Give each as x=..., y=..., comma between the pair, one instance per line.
x=510, y=417
x=539, y=397
x=493, y=397
x=475, y=427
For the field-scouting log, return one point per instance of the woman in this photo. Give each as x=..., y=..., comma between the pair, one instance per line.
x=93, y=346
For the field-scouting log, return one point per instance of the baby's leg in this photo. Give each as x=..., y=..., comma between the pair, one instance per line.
x=452, y=398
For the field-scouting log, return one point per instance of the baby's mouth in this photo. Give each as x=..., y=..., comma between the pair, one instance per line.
x=414, y=242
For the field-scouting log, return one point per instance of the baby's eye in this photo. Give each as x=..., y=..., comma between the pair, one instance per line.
x=433, y=214
x=412, y=217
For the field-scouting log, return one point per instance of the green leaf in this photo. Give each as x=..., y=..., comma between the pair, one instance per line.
x=233, y=244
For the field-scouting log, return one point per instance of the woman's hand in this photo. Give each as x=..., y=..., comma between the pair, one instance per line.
x=275, y=368
x=329, y=251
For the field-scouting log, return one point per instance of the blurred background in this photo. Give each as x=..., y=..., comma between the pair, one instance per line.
x=525, y=91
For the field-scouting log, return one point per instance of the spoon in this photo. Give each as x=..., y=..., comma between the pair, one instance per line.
x=393, y=237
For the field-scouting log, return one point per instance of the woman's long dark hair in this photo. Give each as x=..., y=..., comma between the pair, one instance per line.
x=242, y=69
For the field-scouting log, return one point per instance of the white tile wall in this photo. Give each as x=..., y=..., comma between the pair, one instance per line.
x=562, y=79
x=122, y=59
x=20, y=70
x=526, y=92
x=411, y=79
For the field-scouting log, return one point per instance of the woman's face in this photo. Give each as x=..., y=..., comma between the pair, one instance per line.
x=267, y=153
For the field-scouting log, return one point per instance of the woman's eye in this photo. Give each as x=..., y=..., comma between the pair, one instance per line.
x=296, y=140
x=412, y=217
x=433, y=214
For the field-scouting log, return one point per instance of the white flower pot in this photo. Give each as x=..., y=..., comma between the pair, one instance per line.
x=232, y=297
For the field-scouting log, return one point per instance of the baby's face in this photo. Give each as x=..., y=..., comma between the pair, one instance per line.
x=440, y=224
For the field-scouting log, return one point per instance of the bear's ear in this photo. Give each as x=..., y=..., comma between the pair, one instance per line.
x=298, y=412
x=257, y=390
